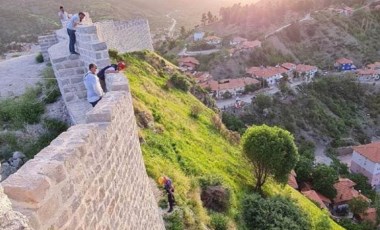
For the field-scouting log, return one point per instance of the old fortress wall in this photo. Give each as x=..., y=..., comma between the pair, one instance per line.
x=93, y=175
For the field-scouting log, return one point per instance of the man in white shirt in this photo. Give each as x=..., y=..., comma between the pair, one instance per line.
x=92, y=84
x=63, y=16
x=71, y=27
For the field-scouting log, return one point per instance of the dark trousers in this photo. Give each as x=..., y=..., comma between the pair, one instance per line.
x=171, y=201
x=102, y=82
x=72, y=37
x=95, y=102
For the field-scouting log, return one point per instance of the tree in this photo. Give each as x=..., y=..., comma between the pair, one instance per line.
x=204, y=19
x=263, y=101
x=324, y=178
x=183, y=32
x=272, y=152
x=273, y=213
x=358, y=205
x=210, y=17
x=304, y=169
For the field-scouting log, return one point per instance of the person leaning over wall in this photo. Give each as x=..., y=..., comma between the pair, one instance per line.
x=113, y=68
x=71, y=28
x=93, y=87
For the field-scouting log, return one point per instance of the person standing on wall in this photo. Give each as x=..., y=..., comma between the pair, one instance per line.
x=169, y=188
x=92, y=84
x=113, y=68
x=71, y=26
x=63, y=16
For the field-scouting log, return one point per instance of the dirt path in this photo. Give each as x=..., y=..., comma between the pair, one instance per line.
x=19, y=73
x=172, y=27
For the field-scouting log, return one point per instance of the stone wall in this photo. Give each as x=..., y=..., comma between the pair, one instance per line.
x=93, y=175
x=125, y=36
x=45, y=43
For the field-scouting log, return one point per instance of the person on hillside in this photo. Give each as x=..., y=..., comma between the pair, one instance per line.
x=63, y=16
x=92, y=84
x=168, y=186
x=113, y=68
x=71, y=27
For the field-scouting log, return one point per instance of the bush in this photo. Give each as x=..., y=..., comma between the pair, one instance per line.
x=273, y=213
x=50, y=86
x=174, y=221
x=180, y=82
x=39, y=58
x=195, y=111
x=113, y=54
x=219, y=221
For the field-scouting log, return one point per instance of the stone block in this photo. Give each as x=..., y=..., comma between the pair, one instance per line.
x=28, y=188
x=86, y=29
x=48, y=209
x=58, y=60
x=99, y=46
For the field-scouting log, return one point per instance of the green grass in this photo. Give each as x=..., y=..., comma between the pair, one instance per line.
x=187, y=149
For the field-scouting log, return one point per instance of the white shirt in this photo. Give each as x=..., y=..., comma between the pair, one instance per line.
x=93, y=87
x=64, y=17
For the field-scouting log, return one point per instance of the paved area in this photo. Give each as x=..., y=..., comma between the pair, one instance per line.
x=19, y=73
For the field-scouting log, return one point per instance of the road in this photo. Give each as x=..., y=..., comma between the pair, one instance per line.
x=172, y=27
x=184, y=52
x=307, y=17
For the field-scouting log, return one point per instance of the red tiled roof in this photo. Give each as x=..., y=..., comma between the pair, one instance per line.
x=188, y=60
x=288, y=65
x=369, y=214
x=301, y=68
x=292, y=179
x=367, y=71
x=305, y=186
x=374, y=65
x=249, y=44
x=344, y=61
x=212, y=84
x=345, y=190
x=312, y=195
x=202, y=76
x=370, y=151
x=266, y=72
x=238, y=39
x=237, y=83
x=212, y=38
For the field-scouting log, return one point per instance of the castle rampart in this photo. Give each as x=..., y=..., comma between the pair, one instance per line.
x=93, y=175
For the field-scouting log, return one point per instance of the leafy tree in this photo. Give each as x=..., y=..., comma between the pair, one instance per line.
x=233, y=123
x=227, y=95
x=272, y=152
x=304, y=168
x=204, y=19
x=358, y=205
x=273, y=213
x=210, y=17
x=363, y=185
x=263, y=101
x=324, y=178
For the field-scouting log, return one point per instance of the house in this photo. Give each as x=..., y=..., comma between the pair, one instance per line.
x=271, y=74
x=237, y=40
x=306, y=71
x=366, y=160
x=321, y=200
x=292, y=181
x=198, y=36
x=188, y=63
x=248, y=45
x=345, y=193
x=233, y=86
x=365, y=75
x=374, y=66
x=201, y=77
x=344, y=64
x=290, y=67
x=213, y=40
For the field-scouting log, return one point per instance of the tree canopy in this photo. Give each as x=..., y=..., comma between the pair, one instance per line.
x=324, y=178
x=272, y=151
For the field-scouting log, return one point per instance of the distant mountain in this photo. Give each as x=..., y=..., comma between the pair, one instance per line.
x=24, y=20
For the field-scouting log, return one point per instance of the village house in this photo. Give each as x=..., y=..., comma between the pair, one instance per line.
x=213, y=40
x=344, y=64
x=233, y=86
x=237, y=40
x=201, y=77
x=374, y=66
x=188, y=64
x=271, y=75
x=366, y=161
x=307, y=72
x=365, y=75
x=345, y=192
x=321, y=200
x=198, y=36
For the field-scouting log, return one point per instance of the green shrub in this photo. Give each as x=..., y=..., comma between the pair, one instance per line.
x=50, y=86
x=281, y=213
x=174, y=221
x=39, y=58
x=219, y=221
x=114, y=54
x=180, y=82
x=195, y=111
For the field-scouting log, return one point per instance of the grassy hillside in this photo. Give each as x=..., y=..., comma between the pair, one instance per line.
x=190, y=149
